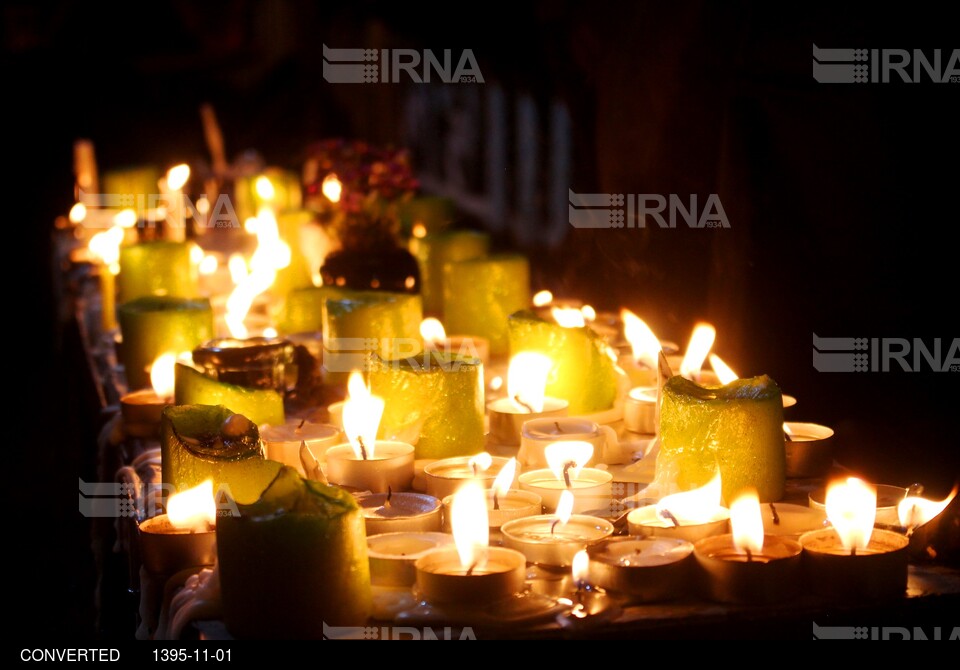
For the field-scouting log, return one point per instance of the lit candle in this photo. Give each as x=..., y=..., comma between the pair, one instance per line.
x=748, y=566
x=809, y=448
x=158, y=268
x=473, y=573
x=285, y=441
x=854, y=560
x=689, y=515
x=554, y=539
x=503, y=502
x=171, y=188
x=400, y=512
x=141, y=410
x=183, y=537
x=888, y=498
x=445, y=476
x=435, y=338
x=105, y=247
x=641, y=364
x=538, y=434
x=646, y=569
x=723, y=374
x=393, y=555
x=366, y=463
x=590, y=487
x=526, y=398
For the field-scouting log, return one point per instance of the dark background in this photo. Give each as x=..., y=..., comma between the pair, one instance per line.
x=842, y=199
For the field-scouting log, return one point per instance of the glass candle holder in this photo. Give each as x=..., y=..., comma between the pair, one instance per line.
x=256, y=362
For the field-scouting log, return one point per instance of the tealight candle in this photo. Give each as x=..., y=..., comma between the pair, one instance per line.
x=445, y=476
x=747, y=566
x=525, y=400
x=503, y=503
x=809, y=449
x=142, y=410
x=640, y=410
x=591, y=487
x=393, y=555
x=185, y=536
x=887, y=499
x=400, y=512
x=791, y=520
x=690, y=515
x=284, y=442
x=646, y=569
x=538, y=434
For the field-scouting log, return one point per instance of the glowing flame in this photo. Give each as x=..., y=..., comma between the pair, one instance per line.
x=77, y=213
x=916, y=511
x=695, y=506
x=105, y=245
x=193, y=508
x=570, y=455
x=237, y=267
x=746, y=522
x=700, y=342
x=419, y=230
x=162, y=374
x=177, y=176
x=203, y=205
x=581, y=567
x=724, y=373
x=272, y=254
x=568, y=317
x=481, y=462
x=362, y=412
x=432, y=331
x=125, y=218
x=196, y=254
x=209, y=264
x=589, y=313
x=646, y=347
x=332, y=189
x=786, y=428
x=852, y=509
x=471, y=524
x=504, y=479
x=542, y=298
x=264, y=188
x=564, y=507
x=496, y=383
x=527, y=380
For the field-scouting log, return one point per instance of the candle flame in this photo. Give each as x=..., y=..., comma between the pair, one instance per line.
x=694, y=506
x=77, y=213
x=471, y=525
x=915, y=511
x=504, y=480
x=568, y=317
x=269, y=331
x=419, y=230
x=162, y=374
x=432, y=331
x=177, y=176
x=852, y=509
x=105, y=246
x=581, y=567
x=208, y=265
x=125, y=218
x=527, y=379
x=724, y=373
x=362, y=412
x=564, y=507
x=496, y=383
x=542, y=298
x=589, y=313
x=332, y=188
x=238, y=268
x=271, y=255
x=700, y=343
x=196, y=254
x=264, y=188
x=480, y=462
x=646, y=347
x=746, y=522
x=560, y=455
x=193, y=508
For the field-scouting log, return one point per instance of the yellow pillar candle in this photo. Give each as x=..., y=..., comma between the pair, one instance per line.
x=433, y=400
x=435, y=251
x=302, y=309
x=156, y=325
x=480, y=294
x=157, y=268
x=294, y=562
x=432, y=213
x=737, y=428
x=192, y=387
x=583, y=371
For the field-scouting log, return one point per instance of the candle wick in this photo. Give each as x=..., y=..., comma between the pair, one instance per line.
x=524, y=405
x=474, y=466
x=787, y=436
x=749, y=556
x=566, y=473
x=557, y=424
x=668, y=515
x=470, y=569
x=387, y=503
x=776, y=517
x=496, y=501
x=301, y=424
x=553, y=526
x=363, y=449
x=853, y=550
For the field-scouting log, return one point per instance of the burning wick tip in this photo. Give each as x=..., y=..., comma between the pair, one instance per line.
x=668, y=515
x=566, y=473
x=749, y=556
x=470, y=569
x=524, y=405
x=301, y=424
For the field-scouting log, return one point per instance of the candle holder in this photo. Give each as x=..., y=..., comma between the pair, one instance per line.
x=645, y=522
x=283, y=442
x=402, y=512
x=874, y=574
x=788, y=520
x=256, y=362
x=592, y=488
x=545, y=541
x=538, y=434
x=166, y=550
x=646, y=569
x=441, y=579
x=809, y=449
x=141, y=412
x=640, y=410
x=445, y=476
x=888, y=497
x=730, y=575
x=390, y=468
x=393, y=556
x=513, y=504
x=507, y=418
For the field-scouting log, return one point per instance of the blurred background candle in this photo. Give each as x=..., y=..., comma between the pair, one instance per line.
x=641, y=364
x=159, y=268
x=254, y=362
x=525, y=400
x=435, y=338
x=688, y=515
x=590, y=487
x=435, y=251
x=141, y=410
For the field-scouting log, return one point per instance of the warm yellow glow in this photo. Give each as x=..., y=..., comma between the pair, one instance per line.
x=471, y=525
x=504, y=480
x=271, y=255
x=724, y=373
x=694, y=506
x=161, y=374
x=237, y=267
x=125, y=218
x=542, y=298
x=77, y=213
x=568, y=317
x=564, y=506
x=203, y=205
x=264, y=188
x=786, y=428
x=852, y=509
x=196, y=254
x=570, y=456
x=419, y=230
x=251, y=225
x=646, y=347
x=527, y=380
x=746, y=522
x=362, y=412
x=432, y=331
x=105, y=245
x=480, y=462
x=194, y=508
x=916, y=511
x=270, y=332
x=333, y=189
x=209, y=264
x=580, y=569
x=496, y=383
x=700, y=342
x=589, y=313
x=177, y=176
